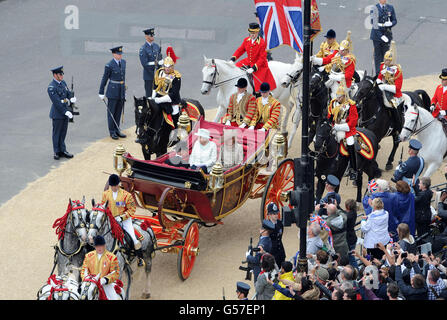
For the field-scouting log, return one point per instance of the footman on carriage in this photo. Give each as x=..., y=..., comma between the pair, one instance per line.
x=241, y=107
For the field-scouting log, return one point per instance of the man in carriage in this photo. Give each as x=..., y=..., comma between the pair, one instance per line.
x=268, y=111
x=102, y=262
x=342, y=111
x=342, y=67
x=242, y=106
x=439, y=100
x=256, y=61
x=123, y=207
x=166, y=94
x=390, y=80
x=328, y=50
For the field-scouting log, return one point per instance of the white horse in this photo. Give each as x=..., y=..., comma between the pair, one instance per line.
x=63, y=287
x=429, y=132
x=90, y=289
x=224, y=75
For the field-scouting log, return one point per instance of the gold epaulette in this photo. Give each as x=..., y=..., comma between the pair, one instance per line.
x=177, y=74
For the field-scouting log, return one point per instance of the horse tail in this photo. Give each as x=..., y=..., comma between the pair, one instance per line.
x=425, y=98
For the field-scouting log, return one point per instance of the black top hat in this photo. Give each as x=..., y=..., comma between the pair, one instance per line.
x=332, y=180
x=114, y=180
x=118, y=50
x=330, y=34
x=58, y=70
x=242, y=83
x=149, y=32
x=254, y=27
x=272, y=208
x=265, y=87
x=443, y=74
x=243, y=287
x=99, y=241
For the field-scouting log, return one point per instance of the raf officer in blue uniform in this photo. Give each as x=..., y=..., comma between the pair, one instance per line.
x=383, y=19
x=59, y=113
x=410, y=170
x=115, y=74
x=242, y=290
x=265, y=246
x=150, y=58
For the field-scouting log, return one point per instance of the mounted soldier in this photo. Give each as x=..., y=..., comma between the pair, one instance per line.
x=256, y=62
x=166, y=95
x=390, y=80
x=242, y=106
x=343, y=67
x=342, y=111
x=328, y=50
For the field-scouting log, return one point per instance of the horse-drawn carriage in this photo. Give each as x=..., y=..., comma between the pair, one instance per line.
x=181, y=200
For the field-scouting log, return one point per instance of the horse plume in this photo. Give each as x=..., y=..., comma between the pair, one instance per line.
x=170, y=53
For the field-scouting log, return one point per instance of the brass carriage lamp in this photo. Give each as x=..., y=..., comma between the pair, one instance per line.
x=119, y=163
x=216, y=179
x=183, y=126
x=278, y=147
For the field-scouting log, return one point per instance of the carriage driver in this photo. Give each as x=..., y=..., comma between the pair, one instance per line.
x=256, y=61
x=342, y=111
x=100, y=261
x=390, y=80
x=439, y=100
x=167, y=82
x=328, y=50
x=122, y=206
x=242, y=106
x=268, y=111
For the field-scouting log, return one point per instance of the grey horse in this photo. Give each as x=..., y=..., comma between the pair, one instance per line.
x=101, y=224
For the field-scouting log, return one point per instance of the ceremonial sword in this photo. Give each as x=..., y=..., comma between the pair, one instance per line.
x=111, y=115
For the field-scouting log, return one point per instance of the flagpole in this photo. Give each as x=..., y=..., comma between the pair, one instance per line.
x=307, y=180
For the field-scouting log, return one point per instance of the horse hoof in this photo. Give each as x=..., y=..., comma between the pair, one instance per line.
x=389, y=166
x=145, y=296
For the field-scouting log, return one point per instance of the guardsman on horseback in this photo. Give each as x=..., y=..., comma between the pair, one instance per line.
x=122, y=206
x=256, y=61
x=328, y=50
x=167, y=83
x=150, y=58
x=410, y=170
x=342, y=111
x=242, y=106
x=60, y=97
x=390, y=80
x=439, y=100
x=115, y=74
x=268, y=111
x=100, y=261
x=343, y=67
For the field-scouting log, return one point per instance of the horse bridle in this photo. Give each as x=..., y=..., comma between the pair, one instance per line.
x=323, y=149
x=215, y=74
x=414, y=131
x=294, y=79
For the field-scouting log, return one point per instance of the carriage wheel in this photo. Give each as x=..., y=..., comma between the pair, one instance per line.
x=279, y=183
x=187, y=255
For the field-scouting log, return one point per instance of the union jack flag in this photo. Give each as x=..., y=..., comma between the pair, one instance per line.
x=282, y=22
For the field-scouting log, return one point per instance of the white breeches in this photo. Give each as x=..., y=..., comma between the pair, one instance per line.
x=128, y=226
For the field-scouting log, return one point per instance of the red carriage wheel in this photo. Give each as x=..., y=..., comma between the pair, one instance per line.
x=279, y=183
x=187, y=255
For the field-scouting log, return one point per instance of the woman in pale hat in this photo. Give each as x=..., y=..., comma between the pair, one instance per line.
x=204, y=152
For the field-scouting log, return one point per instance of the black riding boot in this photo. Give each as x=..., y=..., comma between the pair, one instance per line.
x=397, y=122
x=353, y=163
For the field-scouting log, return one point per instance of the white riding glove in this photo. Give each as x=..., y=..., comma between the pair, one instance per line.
x=388, y=24
x=387, y=87
x=103, y=281
x=69, y=114
x=243, y=125
x=378, y=81
x=341, y=127
x=321, y=69
x=73, y=100
x=251, y=127
x=442, y=113
x=250, y=71
x=317, y=61
x=175, y=109
x=118, y=219
x=228, y=123
x=336, y=77
x=163, y=99
x=384, y=39
x=101, y=96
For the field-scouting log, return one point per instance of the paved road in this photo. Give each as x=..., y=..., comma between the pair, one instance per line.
x=35, y=39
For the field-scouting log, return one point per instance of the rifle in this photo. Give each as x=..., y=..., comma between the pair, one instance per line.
x=249, y=266
x=156, y=65
x=223, y=292
x=72, y=106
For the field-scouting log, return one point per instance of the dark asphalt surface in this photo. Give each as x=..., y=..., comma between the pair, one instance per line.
x=35, y=39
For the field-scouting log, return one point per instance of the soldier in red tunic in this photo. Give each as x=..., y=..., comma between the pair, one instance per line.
x=439, y=101
x=256, y=61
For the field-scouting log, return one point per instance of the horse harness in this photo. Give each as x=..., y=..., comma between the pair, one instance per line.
x=413, y=131
x=215, y=74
